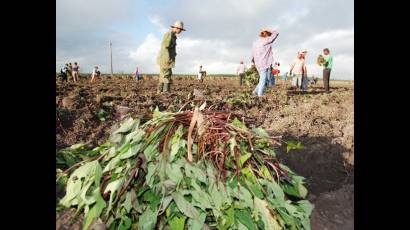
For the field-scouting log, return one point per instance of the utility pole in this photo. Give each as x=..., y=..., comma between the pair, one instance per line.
x=111, y=58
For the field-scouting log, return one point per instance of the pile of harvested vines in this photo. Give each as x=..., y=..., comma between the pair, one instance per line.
x=187, y=170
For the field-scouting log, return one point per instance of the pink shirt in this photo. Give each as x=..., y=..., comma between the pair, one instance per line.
x=262, y=51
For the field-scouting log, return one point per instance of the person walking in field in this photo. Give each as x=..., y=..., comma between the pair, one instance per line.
x=262, y=57
x=63, y=73
x=240, y=71
x=95, y=73
x=137, y=74
x=327, y=67
x=304, y=76
x=166, y=56
x=275, y=73
x=297, y=69
x=69, y=70
x=75, y=71
x=201, y=74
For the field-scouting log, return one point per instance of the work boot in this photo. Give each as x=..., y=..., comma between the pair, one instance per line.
x=166, y=87
x=160, y=87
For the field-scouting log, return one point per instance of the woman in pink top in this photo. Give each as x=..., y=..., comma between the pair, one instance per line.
x=262, y=57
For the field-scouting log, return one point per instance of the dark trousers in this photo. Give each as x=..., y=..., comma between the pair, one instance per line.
x=304, y=85
x=241, y=77
x=326, y=78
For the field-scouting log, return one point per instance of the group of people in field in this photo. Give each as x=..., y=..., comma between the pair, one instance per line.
x=262, y=61
x=70, y=71
x=263, y=64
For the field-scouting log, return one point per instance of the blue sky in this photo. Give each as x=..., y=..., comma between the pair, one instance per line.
x=219, y=33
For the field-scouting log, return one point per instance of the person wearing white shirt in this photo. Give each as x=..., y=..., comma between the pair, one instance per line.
x=95, y=73
x=240, y=71
x=201, y=74
x=298, y=69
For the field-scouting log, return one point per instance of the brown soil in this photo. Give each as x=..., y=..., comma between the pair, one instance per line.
x=323, y=122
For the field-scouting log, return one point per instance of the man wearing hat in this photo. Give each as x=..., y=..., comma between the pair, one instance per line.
x=262, y=56
x=304, y=76
x=166, y=56
x=240, y=71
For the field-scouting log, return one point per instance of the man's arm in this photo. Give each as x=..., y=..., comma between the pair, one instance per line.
x=291, y=68
x=272, y=37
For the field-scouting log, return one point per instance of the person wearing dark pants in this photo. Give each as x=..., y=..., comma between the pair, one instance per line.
x=327, y=69
x=240, y=71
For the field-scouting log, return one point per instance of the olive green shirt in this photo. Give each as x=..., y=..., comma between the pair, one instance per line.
x=167, y=53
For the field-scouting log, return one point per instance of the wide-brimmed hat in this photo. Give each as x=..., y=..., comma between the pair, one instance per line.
x=265, y=30
x=179, y=25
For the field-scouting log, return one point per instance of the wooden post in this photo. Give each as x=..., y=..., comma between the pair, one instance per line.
x=111, y=58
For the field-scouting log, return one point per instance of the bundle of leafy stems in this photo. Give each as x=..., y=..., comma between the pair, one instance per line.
x=216, y=135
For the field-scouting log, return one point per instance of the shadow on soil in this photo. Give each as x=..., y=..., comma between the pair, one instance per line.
x=320, y=162
x=290, y=92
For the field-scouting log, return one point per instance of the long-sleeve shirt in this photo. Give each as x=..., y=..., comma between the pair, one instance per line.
x=167, y=53
x=262, y=51
x=241, y=69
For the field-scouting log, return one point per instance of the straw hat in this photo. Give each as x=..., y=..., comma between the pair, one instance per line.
x=179, y=25
x=265, y=30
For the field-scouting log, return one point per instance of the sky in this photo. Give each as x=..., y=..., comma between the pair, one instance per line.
x=219, y=33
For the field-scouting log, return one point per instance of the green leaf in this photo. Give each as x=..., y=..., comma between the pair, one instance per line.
x=306, y=206
x=184, y=206
x=96, y=210
x=174, y=173
x=244, y=216
x=260, y=132
x=232, y=145
x=113, y=187
x=149, y=178
x=226, y=220
x=151, y=151
x=135, y=136
x=112, y=164
x=116, y=138
x=197, y=224
x=239, y=124
x=133, y=150
x=128, y=202
x=202, y=198
x=296, y=188
x=77, y=186
x=125, y=223
x=165, y=202
x=293, y=145
x=77, y=146
x=266, y=173
x=194, y=171
x=148, y=219
x=274, y=189
x=269, y=221
x=244, y=158
x=177, y=222
x=126, y=126
x=153, y=199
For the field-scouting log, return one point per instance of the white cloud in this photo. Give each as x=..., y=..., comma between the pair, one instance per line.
x=157, y=22
x=145, y=55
